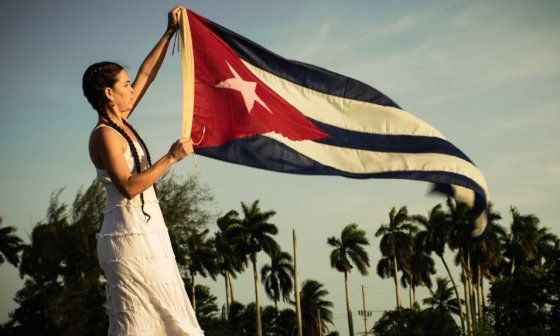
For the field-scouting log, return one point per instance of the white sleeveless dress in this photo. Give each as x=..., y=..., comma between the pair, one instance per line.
x=144, y=290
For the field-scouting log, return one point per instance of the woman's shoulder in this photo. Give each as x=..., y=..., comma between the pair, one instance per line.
x=103, y=135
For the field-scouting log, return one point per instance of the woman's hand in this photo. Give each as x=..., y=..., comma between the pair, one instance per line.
x=180, y=149
x=173, y=19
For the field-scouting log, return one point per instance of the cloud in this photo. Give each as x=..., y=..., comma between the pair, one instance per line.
x=536, y=120
x=481, y=47
x=314, y=42
x=403, y=23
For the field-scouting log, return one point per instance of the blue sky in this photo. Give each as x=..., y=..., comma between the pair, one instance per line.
x=486, y=74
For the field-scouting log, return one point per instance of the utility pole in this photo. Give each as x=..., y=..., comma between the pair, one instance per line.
x=296, y=280
x=364, y=313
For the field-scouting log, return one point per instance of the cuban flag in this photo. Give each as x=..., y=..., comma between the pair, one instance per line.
x=258, y=109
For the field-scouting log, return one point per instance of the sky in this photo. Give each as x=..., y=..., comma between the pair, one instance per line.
x=485, y=74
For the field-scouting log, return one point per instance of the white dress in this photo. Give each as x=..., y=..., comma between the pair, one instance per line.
x=145, y=292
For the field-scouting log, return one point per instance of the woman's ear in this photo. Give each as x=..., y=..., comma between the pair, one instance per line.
x=109, y=94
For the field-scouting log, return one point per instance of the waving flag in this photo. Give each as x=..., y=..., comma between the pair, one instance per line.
x=258, y=109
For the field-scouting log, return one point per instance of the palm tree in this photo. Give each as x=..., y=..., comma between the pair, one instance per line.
x=315, y=306
x=348, y=249
x=418, y=269
x=434, y=238
x=442, y=299
x=394, y=242
x=333, y=333
x=201, y=258
x=461, y=219
x=528, y=243
x=487, y=256
x=10, y=245
x=286, y=322
x=229, y=262
x=253, y=233
x=277, y=277
x=548, y=245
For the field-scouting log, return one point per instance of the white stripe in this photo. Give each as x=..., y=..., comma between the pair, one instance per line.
x=463, y=194
x=364, y=162
x=346, y=113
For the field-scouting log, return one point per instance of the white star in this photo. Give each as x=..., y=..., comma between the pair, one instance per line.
x=247, y=90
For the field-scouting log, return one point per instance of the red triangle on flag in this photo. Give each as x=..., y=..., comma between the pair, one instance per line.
x=230, y=101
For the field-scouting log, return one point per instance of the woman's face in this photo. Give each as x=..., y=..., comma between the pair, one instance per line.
x=122, y=93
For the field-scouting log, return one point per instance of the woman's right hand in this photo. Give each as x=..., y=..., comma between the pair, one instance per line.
x=180, y=149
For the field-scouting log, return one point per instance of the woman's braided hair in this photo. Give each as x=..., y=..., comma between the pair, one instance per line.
x=96, y=78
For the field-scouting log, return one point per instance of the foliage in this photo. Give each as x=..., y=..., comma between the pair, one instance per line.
x=277, y=276
x=527, y=303
x=314, y=303
x=207, y=311
x=64, y=287
x=185, y=206
x=201, y=258
x=416, y=322
x=349, y=249
x=10, y=245
x=253, y=233
x=442, y=298
x=63, y=292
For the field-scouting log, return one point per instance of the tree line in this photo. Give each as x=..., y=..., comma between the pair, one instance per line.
x=64, y=288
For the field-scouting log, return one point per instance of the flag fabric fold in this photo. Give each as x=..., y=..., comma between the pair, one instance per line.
x=261, y=110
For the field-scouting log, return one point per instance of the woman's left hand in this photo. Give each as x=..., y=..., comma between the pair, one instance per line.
x=173, y=19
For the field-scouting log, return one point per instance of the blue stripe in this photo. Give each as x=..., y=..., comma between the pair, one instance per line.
x=265, y=153
x=387, y=143
x=303, y=74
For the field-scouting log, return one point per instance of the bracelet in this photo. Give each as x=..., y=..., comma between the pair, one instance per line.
x=168, y=33
x=171, y=158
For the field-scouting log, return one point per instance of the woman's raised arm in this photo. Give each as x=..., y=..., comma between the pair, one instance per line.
x=150, y=67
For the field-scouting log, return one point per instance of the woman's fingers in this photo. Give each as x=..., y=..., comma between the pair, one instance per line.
x=173, y=17
x=187, y=146
x=181, y=149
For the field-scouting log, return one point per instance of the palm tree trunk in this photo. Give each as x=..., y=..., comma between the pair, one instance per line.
x=470, y=288
x=482, y=291
x=479, y=292
x=399, y=304
x=257, y=302
x=467, y=304
x=350, y=322
x=413, y=295
x=231, y=297
x=512, y=266
x=277, y=315
x=319, y=324
x=227, y=294
x=467, y=298
x=192, y=292
x=457, y=295
x=410, y=295
x=299, y=323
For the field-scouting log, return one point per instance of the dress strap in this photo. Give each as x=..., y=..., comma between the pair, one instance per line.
x=104, y=125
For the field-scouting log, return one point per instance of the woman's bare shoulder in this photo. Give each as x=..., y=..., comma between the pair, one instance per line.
x=105, y=137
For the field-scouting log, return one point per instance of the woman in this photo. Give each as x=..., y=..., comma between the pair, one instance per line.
x=145, y=293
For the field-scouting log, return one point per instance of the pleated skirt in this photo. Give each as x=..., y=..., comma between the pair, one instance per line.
x=144, y=290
